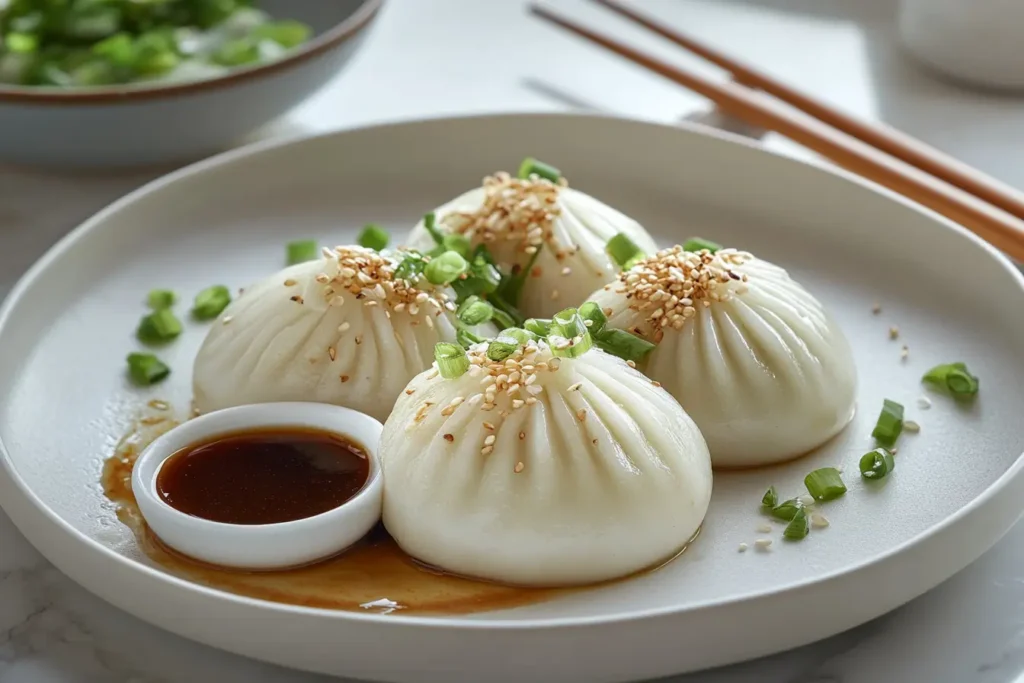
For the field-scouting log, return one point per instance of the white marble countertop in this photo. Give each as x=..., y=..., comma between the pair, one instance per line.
x=428, y=58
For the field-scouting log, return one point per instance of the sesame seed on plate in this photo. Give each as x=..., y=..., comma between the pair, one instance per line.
x=743, y=547
x=763, y=544
x=449, y=438
x=764, y=529
x=912, y=427
x=819, y=520
x=518, y=468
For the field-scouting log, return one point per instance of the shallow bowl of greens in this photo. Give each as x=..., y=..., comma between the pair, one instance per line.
x=107, y=84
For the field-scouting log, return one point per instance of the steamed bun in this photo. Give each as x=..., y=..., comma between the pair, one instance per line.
x=758, y=363
x=517, y=217
x=540, y=470
x=342, y=330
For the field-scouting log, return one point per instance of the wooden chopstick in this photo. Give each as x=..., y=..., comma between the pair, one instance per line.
x=989, y=222
x=878, y=135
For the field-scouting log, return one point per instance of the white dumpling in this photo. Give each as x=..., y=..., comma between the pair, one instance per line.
x=516, y=217
x=537, y=470
x=757, y=362
x=338, y=330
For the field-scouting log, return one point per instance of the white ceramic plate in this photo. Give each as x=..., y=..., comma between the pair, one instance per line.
x=957, y=488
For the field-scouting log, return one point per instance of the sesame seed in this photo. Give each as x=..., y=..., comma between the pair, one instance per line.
x=763, y=544
x=157, y=404
x=818, y=520
x=371, y=302
x=343, y=327
x=227, y=319
x=912, y=426
x=410, y=392
x=323, y=278
x=297, y=299
x=332, y=352
x=576, y=387
x=489, y=440
x=518, y=468
x=743, y=547
x=432, y=374
x=359, y=339
x=486, y=450
x=289, y=283
x=554, y=294
x=655, y=383
x=764, y=529
x=488, y=426
x=876, y=309
x=631, y=364
x=518, y=403
x=449, y=438
x=344, y=378
x=894, y=332
x=581, y=415
x=522, y=435
x=924, y=403
x=904, y=352
x=567, y=271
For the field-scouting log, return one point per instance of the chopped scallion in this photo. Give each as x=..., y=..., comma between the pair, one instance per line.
x=532, y=167
x=160, y=298
x=410, y=267
x=158, y=327
x=877, y=464
x=699, y=243
x=452, y=361
x=623, y=344
x=786, y=510
x=825, y=484
x=446, y=268
x=459, y=244
x=502, y=347
x=146, y=369
x=539, y=326
x=466, y=338
x=623, y=250
x=520, y=335
x=889, y=425
x=770, y=498
x=594, y=317
x=954, y=377
x=301, y=251
x=474, y=311
x=373, y=237
x=798, y=528
x=430, y=224
x=211, y=302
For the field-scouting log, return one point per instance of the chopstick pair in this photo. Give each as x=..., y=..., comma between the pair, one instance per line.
x=987, y=207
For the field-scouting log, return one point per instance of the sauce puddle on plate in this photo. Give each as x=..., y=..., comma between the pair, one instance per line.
x=374, y=575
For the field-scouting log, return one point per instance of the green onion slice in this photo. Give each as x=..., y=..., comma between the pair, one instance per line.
x=146, y=369
x=474, y=311
x=452, y=361
x=211, y=302
x=539, y=326
x=430, y=223
x=786, y=510
x=519, y=334
x=411, y=266
x=699, y=244
x=158, y=327
x=825, y=484
x=770, y=498
x=593, y=316
x=623, y=250
x=877, y=464
x=446, y=268
x=889, y=425
x=373, y=237
x=465, y=338
x=301, y=251
x=502, y=347
x=532, y=167
x=798, y=528
x=160, y=298
x=458, y=243
x=955, y=377
x=623, y=344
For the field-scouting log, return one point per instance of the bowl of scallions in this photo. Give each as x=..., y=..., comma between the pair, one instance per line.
x=114, y=83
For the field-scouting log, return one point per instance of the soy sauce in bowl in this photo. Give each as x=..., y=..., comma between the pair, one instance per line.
x=264, y=476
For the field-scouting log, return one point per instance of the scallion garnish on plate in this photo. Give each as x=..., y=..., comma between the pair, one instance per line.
x=160, y=298
x=797, y=529
x=786, y=510
x=953, y=377
x=452, y=361
x=373, y=237
x=877, y=464
x=146, y=369
x=889, y=425
x=211, y=302
x=825, y=484
x=770, y=498
x=158, y=327
x=301, y=251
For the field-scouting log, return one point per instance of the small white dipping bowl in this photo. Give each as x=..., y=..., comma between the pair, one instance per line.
x=262, y=546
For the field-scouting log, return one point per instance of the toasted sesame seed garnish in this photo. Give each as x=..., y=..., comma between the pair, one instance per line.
x=912, y=427
x=297, y=299
x=359, y=339
x=818, y=520
x=289, y=283
x=323, y=278
x=410, y=392
x=554, y=294
x=894, y=332
x=631, y=364
x=518, y=403
x=763, y=544
x=743, y=547
x=581, y=414
x=655, y=383
x=157, y=404
x=576, y=387
x=518, y=468
x=370, y=277
x=486, y=450
x=227, y=319
x=152, y=420
x=876, y=309
x=536, y=271
x=432, y=374
x=489, y=440
x=567, y=271
x=332, y=352
x=344, y=378
x=371, y=302
x=522, y=435
x=449, y=438
x=924, y=403
x=904, y=352
x=488, y=426
x=343, y=327
x=764, y=529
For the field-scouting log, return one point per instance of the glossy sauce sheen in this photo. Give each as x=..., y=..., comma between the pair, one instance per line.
x=265, y=476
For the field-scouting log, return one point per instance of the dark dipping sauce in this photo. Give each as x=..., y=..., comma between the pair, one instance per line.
x=264, y=476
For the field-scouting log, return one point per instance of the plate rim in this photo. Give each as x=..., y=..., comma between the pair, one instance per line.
x=481, y=621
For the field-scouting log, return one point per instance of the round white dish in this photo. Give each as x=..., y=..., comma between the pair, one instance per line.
x=262, y=546
x=956, y=489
